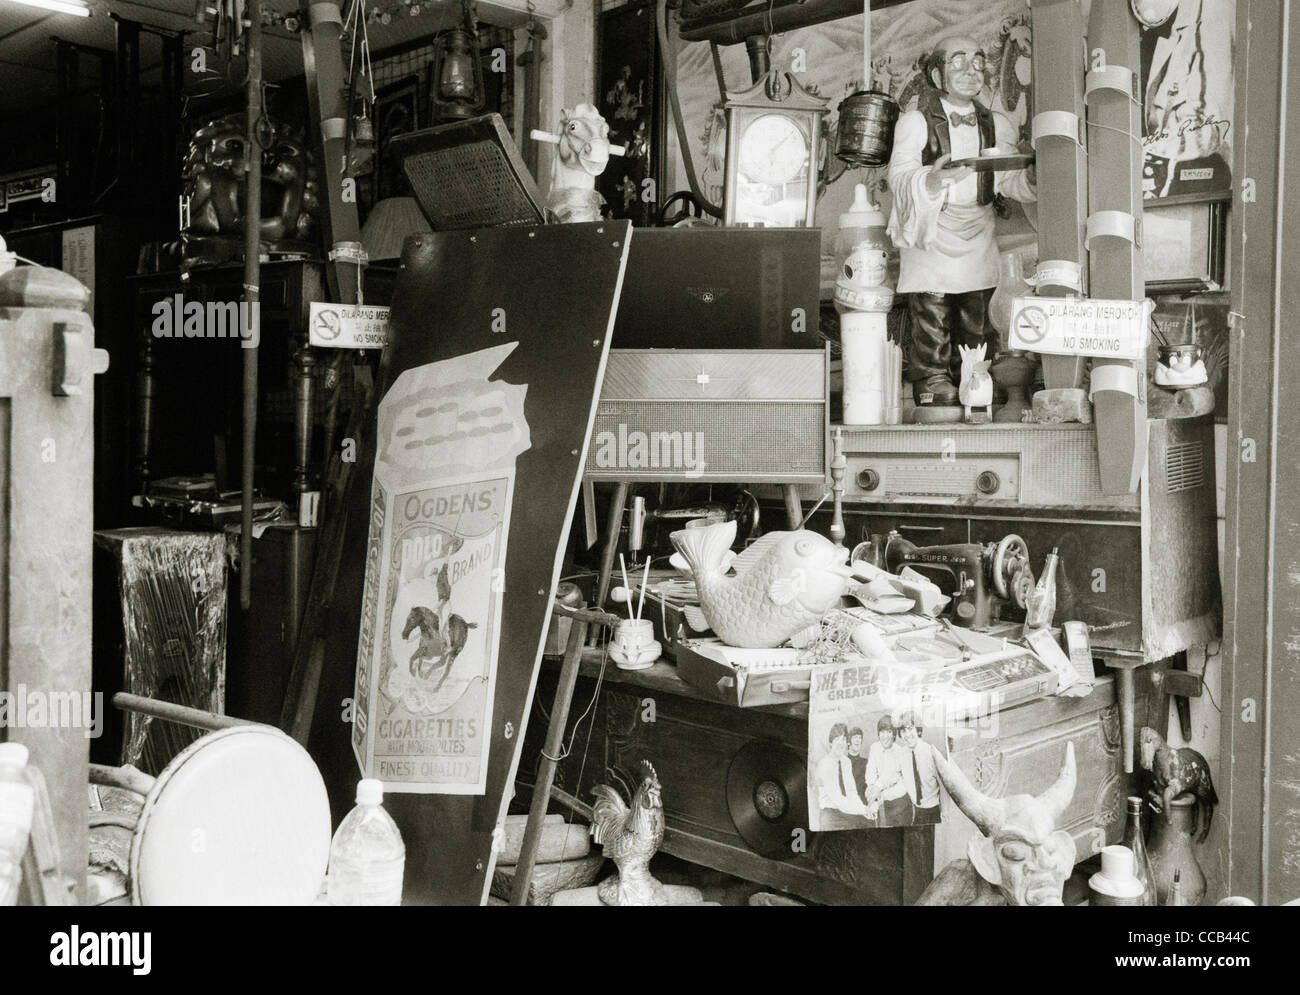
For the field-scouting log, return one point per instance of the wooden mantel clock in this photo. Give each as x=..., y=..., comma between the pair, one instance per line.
x=773, y=154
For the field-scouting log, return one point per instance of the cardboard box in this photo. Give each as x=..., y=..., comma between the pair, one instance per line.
x=981, y=683
x=752, y=677
x=743, y=677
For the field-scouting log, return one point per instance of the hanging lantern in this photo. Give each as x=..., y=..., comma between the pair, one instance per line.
x=458, y=90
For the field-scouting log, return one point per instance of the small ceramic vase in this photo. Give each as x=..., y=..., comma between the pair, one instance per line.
x=1013, y=371
x=1170, y=848
x=1116, y=883
x=634, y=646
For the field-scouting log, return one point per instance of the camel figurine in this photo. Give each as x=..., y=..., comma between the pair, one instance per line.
x=582, y=155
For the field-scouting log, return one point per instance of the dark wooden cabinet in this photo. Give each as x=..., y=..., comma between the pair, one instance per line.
x=188, y=392
x=694, y=744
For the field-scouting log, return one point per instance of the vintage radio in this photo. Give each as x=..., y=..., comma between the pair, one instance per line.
x=1140, y=570
x=714, y=417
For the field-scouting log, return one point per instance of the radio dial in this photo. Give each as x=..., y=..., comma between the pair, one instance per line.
x=868, y=479
x=988, y=482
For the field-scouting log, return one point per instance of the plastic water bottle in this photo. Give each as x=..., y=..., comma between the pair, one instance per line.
x=367, y=855
x=17, y=802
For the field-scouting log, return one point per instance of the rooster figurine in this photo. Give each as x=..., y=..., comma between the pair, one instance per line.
x=976, y=390
x=630, y=837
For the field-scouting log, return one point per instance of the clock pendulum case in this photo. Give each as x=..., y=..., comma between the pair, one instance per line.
x=773, y=154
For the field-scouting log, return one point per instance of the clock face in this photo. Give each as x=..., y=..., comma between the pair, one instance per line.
x=773, y=149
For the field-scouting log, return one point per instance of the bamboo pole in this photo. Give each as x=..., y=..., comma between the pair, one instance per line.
x=252, y=277
x=548, y=763
x=866, y=44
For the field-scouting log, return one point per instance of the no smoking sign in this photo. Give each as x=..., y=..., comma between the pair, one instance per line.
x=1031, y=325
x=1068, y=326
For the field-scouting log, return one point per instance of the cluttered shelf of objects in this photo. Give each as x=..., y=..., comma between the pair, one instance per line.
x=931, y=558
x=666, y=677
x=739, y=732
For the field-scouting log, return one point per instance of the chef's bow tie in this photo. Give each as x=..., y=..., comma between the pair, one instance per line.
x=957, y=120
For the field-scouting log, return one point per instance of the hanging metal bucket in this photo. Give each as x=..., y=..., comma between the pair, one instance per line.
x=865, y=136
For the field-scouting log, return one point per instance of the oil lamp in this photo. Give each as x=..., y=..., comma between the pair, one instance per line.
x=457, y=91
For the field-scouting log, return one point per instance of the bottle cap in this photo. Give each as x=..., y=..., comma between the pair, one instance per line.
x=1117, y=862
x=13, y=754
x=863, y=213
x=370, y=792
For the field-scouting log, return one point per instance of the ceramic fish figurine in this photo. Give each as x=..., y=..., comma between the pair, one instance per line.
x=783, y=583
x=976, y=389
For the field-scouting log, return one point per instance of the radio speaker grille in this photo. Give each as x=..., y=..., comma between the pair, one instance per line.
x=468, y=174
x=758, y=441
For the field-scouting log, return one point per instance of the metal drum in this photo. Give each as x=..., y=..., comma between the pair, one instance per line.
x=865, y=135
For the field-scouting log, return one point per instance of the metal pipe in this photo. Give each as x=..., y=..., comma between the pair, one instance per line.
x=172, y=712
x=668, y=56
x=786, y=15
x=252, y=277
x=126, y=778
x=759, y=62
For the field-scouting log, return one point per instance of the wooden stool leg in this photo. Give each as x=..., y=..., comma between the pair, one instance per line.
x=793, y=506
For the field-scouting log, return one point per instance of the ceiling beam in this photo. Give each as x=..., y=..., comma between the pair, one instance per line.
x=26, y=27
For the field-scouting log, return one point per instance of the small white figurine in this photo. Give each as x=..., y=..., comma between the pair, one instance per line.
x=976, y=389
x=1180, y=366
x=582, y=155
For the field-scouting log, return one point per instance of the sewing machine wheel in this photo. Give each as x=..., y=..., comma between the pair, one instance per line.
x=1010, y=560
x=1022, y=587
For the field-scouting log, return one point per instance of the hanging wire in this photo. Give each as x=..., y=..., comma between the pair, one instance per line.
x=568, y=747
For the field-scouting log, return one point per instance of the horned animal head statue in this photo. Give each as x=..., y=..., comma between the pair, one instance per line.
x=1022, y=852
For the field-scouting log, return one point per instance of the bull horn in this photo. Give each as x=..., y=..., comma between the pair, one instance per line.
x=987, y=813
x=1057, y=798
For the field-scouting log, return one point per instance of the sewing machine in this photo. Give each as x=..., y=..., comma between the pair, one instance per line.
x=979, y=577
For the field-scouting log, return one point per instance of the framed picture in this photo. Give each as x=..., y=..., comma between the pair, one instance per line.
x=628, y=89
x=397, y=112
x=1184, y=246
x=1187, y=102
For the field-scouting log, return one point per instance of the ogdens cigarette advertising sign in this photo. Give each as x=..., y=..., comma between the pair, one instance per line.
x=430, y=626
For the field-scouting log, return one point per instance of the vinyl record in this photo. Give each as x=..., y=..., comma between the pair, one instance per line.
x=767, y=796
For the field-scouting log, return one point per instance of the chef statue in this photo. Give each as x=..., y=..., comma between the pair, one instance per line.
x=943, y=217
